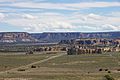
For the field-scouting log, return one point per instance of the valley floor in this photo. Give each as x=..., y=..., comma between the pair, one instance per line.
x=59, y=66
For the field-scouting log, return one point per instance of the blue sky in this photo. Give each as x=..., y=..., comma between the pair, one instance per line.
x=59, y=15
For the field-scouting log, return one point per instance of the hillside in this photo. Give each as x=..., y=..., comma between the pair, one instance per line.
x=52, y=37
x=56, y=37
x=16, y=37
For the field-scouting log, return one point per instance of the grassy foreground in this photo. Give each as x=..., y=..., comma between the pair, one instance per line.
x=66, y=67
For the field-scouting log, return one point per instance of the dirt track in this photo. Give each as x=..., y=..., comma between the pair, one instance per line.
x=26, y=66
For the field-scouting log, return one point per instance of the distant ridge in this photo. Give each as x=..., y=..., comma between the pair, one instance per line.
x=10, y=37
x=57, y=36
x=53, y=36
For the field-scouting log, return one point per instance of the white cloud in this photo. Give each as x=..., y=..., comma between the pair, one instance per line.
x=41, y=23
x=59, y=22
x=17, y=0
x=94, y=22
x=93, y=4
x=28, y=16
x=66, y=6
x=41, y=5
x=7, y=0
x=115, y=14
x=94, y=16
x=2, y=10
x=51, y=21
x=2, y=16
x=110, y=27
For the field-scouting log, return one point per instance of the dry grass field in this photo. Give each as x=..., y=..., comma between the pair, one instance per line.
x=59, y=66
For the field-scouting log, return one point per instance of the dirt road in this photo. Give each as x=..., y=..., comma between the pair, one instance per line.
x=28, y=65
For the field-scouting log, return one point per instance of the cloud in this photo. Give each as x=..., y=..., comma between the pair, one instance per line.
x=93, y=4
x=110, y=27
x=28, y=16
x=65, y=6
x=94, y=16
x=44, y=15
x=2, y=16
x=7, y=0
x=94, y=22
x=41, y=5
x=57, y=6
x=49, y=26
x=59, y=22
x=47, y=22
x=114, y=14
x=17, y=0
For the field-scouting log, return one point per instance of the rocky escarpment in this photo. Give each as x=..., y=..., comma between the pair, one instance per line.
x=16, y=37
x=56, y=37
x=53, y=37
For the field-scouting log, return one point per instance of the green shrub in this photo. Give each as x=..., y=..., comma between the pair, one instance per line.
x=106, y=69
x=21, y=69
x=109, y=71
x=118, y=69
x=100, y=69
x=108, y=77
x=33, y=66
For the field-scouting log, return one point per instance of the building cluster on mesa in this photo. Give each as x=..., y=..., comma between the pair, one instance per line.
x=72, y=47
x=92, y=46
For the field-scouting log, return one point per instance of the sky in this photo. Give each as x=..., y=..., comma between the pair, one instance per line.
x=59, y=15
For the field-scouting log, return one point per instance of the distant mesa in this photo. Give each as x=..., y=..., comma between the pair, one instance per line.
x=10, y=37
x=50, y=37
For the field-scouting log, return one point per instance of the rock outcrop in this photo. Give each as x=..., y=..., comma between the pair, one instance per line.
x=50, y=37
x=16, y=37
x=57, y=37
